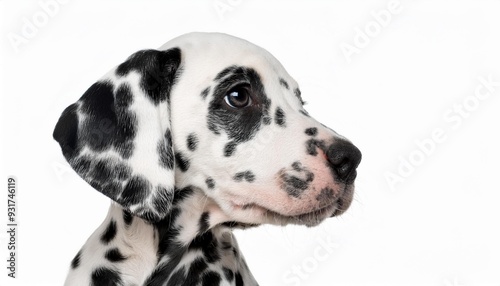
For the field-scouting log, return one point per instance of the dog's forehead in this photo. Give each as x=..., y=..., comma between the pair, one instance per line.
x=206, y=54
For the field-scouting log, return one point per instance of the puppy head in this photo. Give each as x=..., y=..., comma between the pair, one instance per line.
x=216, y=113
x=243, y=136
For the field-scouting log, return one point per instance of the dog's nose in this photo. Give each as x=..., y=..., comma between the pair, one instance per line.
x=344, y=158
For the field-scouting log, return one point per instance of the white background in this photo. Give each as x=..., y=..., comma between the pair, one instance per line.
x=439, y=225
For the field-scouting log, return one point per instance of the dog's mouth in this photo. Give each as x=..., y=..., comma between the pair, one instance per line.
x=344, y=202
x=309, y=217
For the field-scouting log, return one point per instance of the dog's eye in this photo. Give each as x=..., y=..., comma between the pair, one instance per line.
x=238, y=97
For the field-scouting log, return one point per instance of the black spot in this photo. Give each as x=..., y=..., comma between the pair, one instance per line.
x=163, y=198
x=313, y=131
x=158, y=70
x=102, y=171
x=210, y=279
x=182, y=194
x=195, y=269
x=181, y=161
x=303, y=112
x=229, y=148
x=192, y=142
x=312, y=145
x=294, y=185
x=124, y=97
x=309, y=176
x=297, y=166
x=126, y=121
x=243, y=123
x=114, y=255
x=207, y=243
x=110, y=232
x=165, y=151
x=106, y=277
x=204, y=222
x=136, y=191
x=198, y=266
x=228, y=273
x=298, y=95
x=225, y=72
x=297, y=92
x=127, y=217
x=211, y=252
x=266, y=120
x=82, y=165
x=210, y=182
x=284, y=83
x=177, y=277
x=238, y=177
x=76, y=261
x=249, y=176
x=205, y=92
x=239, y=279
x=279, y=117
x=201, y=241
x=122, y=171
x=101, y=121
x=110, y=188
x=326, y=194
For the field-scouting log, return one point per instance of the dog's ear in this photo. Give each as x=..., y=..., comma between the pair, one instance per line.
x=117, y=136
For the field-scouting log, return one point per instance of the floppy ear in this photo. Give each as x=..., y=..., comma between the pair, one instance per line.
x=117, y=135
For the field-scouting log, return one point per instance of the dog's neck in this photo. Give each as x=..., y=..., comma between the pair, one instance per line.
x=192, y=214
x=193, y=238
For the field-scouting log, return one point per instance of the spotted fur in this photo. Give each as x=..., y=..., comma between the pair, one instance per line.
x=160, y=136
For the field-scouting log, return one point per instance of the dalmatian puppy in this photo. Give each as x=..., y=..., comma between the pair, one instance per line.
x=203, y=135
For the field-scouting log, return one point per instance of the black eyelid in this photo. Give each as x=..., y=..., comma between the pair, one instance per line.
x=246, y=85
